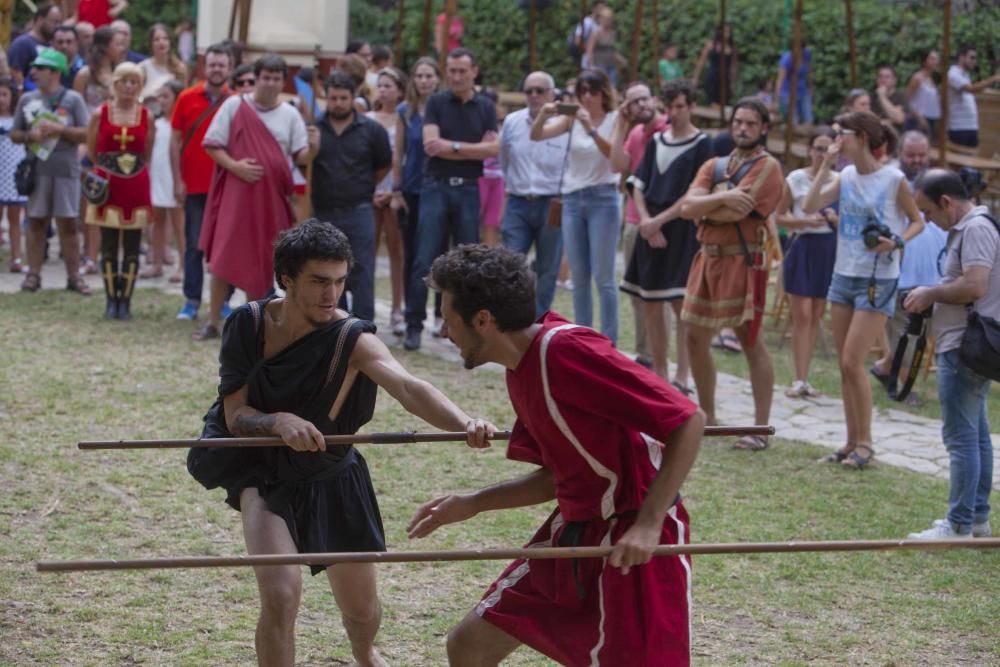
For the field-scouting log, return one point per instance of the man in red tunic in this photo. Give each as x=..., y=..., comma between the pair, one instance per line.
x=613, y=442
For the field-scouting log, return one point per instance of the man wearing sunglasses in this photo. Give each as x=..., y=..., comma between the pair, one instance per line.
x=531, y=171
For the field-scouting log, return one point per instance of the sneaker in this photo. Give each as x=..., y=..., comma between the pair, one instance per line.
x=398, y=324
x=978, y=529
x=797, y=390
x=412, y=340
x=438, y=324
x=225, y=311
x=189, y=311
x=941, y=530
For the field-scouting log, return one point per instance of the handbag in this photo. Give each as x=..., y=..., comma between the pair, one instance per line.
x=554, y=216
x=980, y=347
x=25, y=175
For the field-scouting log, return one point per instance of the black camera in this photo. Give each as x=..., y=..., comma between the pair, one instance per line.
x=915, y=322
x=872, y=232
x=973, y=181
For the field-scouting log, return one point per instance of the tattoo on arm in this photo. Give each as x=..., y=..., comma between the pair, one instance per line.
x=259, y=424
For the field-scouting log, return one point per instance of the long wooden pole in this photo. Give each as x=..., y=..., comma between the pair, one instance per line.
x=533, y=34
x=633, y=65
x=425, y=28
x=539, y=553
x=357, y=439
x=443, y=56
x=655, y=8
x=583, y=37
x=397, y=41
x=793, y=81
x=942, y=129
x=723, y=72
x=852, y=51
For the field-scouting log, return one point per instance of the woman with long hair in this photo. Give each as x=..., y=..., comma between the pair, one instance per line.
x=391, y=86
x=720, y=47
x=877, y=217
x=163, y=64
x=925, y=99
x=591, y=214
x=808, y=264
x=409, y=158
x=120, y=140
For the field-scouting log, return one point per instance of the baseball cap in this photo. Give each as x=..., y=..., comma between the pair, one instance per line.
x=52, y=59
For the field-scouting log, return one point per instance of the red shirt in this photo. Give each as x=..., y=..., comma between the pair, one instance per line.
x=196, y=165
x=591, y=416
x=635, y=146
x=94, y=11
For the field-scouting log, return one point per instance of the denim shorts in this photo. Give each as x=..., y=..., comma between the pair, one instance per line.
x=853, y=292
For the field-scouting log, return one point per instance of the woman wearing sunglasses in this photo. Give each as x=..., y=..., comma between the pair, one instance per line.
x=877, y=217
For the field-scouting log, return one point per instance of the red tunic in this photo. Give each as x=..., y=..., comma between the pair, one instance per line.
x=593, y=418
x=129, y=203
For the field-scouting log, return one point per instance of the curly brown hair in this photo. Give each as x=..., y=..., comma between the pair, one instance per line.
x=482, y=277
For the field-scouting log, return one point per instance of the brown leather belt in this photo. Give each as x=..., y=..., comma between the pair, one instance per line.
x=728, y=250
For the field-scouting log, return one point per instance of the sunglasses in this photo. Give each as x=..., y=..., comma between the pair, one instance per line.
x=536, y=91
x=845, y=133
x=245, y=82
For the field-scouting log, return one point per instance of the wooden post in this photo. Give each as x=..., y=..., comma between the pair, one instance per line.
x=397, y=42
x=793, y=81
x=583, y=41
x=425, y=28
x=443, y=56
x=533, y=34
x=942, y=130
x=656, y=47
x=244, y=36
x=723, y=73
x=852, y=51
x=633, y=65
x=6, y=20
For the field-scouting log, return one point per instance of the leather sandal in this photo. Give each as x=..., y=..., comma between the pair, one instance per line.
x=753, y=443
x=78, y=284
x=32, y=282
x=857, y=461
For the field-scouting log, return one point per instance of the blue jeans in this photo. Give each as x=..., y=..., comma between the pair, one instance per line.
x=194, y=259
x=803, y=107
x=966, y=436
x=443, y=208
x=358, y=225
x=524, y=223
x=591, y=219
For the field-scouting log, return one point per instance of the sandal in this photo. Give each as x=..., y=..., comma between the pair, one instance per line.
x=683, y=388
x=79, y=285
x=207, y=332
x=857, y=461
x=753, y=443
x=177, y=276
x=15, y=266
x=834, y=457
x=31, y=283
x=727, y=342
x=150, y=272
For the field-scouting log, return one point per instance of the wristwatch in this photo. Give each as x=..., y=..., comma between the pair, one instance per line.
x=455, y=147
x=899, y=241
x=593, y=132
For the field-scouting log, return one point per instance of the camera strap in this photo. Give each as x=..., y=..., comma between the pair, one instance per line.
x=873, y=287
x=900, y=394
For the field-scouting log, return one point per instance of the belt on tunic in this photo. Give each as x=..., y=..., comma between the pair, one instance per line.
x=713, y=250
x=122, y=164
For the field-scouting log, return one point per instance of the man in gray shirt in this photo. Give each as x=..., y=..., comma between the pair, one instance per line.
x=52, y=120
x=971, y=276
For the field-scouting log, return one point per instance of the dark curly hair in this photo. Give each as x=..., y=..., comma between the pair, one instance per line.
x=675, y=88
x=313, y=239
x=481, y=277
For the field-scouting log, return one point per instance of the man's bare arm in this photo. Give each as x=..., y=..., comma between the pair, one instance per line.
x=245, y=421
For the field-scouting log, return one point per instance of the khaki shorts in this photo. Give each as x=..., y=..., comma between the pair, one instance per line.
x=55, y=197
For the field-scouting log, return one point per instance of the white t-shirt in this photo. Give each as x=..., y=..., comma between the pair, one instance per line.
x=587, y=166
x=798, y=183
x=864, y=199
x=283, y=121
x=962, y=111
x=155, y=78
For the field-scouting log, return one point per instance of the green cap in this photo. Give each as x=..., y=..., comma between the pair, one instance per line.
x=49, y=57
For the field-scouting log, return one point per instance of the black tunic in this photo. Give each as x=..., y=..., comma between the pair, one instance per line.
x=663, y=177
x=326, y=498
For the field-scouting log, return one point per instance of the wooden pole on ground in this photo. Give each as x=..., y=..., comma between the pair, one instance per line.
x=852, y=52
x=633, y=64
x=534, y=553
x=533, y=34
x=655, y=9
x=425, y=28
x=793, y=81
x=942, y=129
x=723, y=72
x=358, y=439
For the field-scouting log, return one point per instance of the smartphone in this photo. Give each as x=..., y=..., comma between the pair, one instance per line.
x=567, y=109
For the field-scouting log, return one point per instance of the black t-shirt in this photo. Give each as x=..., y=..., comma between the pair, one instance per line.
x=459, y=121
x=344, y=169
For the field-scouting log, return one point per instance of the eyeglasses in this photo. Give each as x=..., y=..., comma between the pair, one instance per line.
x=536, y=91
x=842, y=132
x=639, y=100
x=245, y=82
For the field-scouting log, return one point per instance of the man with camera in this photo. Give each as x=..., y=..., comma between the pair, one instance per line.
x=971, y=271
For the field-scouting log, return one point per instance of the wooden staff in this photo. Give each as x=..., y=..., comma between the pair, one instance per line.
x=723, y=72
x=539, y=553
x=405, y=437
x=425, y=28
x=398, y=38
x=633, y=69
x=655, y=8
x=942, y=129
x=852, y=51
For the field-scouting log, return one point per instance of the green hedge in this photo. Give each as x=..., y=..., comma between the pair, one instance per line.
x=895, y=31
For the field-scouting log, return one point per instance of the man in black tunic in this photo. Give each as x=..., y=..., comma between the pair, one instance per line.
x=299, y=368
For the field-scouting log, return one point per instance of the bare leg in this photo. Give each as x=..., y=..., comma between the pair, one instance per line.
x=699, y=340
x=656, y=335
x=683, y=372
x=857, y=390
x=70, y=244
x=394, y=248
x=280, y=586
x=805, y=329
x=218, y=291
x=355, y=592
x=157, y=243
x=36, y=243
x=14, y=227
x=92, y=241
x=840, y=318
x=761, y=373
x=478, y=643
x=490, y=235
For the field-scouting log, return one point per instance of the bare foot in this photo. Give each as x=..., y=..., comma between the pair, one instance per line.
x=373, y=659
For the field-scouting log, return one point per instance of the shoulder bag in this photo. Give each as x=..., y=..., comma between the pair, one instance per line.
x=980, y=348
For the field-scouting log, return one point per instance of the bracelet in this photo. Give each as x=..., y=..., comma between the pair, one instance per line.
x=593, y=132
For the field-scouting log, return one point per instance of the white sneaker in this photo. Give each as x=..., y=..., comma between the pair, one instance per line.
x=941, y=530
x=978, y=529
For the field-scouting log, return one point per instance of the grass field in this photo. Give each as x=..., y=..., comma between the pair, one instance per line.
x=67, y=375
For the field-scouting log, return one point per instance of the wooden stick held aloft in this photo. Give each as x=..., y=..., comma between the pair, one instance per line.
x=406, y=437
x=506, y=554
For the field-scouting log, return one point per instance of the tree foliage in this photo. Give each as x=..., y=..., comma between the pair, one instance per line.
x=895, y=31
